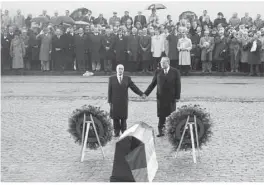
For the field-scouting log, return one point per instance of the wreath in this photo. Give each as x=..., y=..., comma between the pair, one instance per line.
x=175, y=124
x=102, y=123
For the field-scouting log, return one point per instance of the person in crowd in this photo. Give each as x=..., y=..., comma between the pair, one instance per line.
x=259, y=23
x=193, y=28
x=254, y=55
x=113, y=19
x=169, y=22
x=138, y=26
x=34, y=47
x=196, y=50
x=234, y=50
x=220, y=20
x=120, y=48
x=157, y=48
x=140, y=18
x=145, y=50
x=133, y=50
x=28, y=21
x=207, y=46
x=25, y=39
x=19, y=20
x=45, y=49
x=262, y=50
x=17, y=51
x=81, y=45
x=207, y=22
x=96, y=41
x=69, y=48
x=5, y=51
x=44, y=14
x=153, y=19
x=108, y=43
x=202, y=17
x=173, y=53
x=58, y=50
x=244, y=50
x=125, y=18
x=10, y=34
x=6, y=20
x=221, y=50
x=67, y=13
x=89, y=18
x=234, y=21
x=247, y=20
x=100, y=20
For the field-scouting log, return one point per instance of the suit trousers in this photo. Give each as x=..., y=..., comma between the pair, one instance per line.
x=119, y=125
x=161, y=122
x=108, y=65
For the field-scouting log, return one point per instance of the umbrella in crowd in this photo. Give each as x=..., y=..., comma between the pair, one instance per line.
x=81, y=23
x=156, y=6
x=40, y=19
x=135, y=157
x=62, y=19
x=75, y=13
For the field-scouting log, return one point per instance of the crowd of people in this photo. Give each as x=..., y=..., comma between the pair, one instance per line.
x=235, y=45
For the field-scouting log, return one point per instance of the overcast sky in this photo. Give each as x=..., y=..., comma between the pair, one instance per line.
x=174, y=8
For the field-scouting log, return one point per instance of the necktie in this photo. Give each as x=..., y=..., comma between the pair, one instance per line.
x=120, y=79
x=165, y=71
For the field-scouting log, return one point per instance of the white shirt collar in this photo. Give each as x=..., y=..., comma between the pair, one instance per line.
x=167, y=70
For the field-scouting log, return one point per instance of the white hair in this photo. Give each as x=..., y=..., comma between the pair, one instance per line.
x=165, y=59
x=118, y=66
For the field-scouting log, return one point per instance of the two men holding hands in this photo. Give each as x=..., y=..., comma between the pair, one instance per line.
x=168, y=82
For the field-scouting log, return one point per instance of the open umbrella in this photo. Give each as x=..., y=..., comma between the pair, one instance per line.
x=40, y=19
x=81, y=23
x=135, y=157
x=62, y=19
x=156, y=6
x=75, y=13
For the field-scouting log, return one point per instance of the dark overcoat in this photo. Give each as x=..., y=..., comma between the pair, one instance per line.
x=59, y=55
x=254, y=57
x=133, y=47
x=69, y=48
x=96, y=46
x=145, y=42
x=34, y=46
x=168, y=90
x=5, y=52
x=220, y=46
x=173, y=51
x=118, y=96
x=120, y=48
x=108, y=41
x=81, y=45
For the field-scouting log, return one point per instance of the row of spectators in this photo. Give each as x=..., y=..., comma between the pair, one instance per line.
x=139, y=44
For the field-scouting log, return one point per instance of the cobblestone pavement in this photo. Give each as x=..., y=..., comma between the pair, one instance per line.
x=37, y=147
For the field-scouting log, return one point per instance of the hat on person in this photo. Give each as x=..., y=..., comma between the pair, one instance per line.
x=126, y=11
x=114, y=12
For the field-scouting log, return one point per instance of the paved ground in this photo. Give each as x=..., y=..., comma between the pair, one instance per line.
x=37, y=147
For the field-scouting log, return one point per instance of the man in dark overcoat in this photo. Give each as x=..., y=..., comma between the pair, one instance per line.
x=118, y=98
x=120, y=48
x=108, y=43
x=133, y=51
x=81, y=45
x=145, y=49
x=5, y=51
x=58, y=50
x=69, y=48
x=168, y=82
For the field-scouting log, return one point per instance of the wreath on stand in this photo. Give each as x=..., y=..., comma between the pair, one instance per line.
x=175, y=124
x=102, y=123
